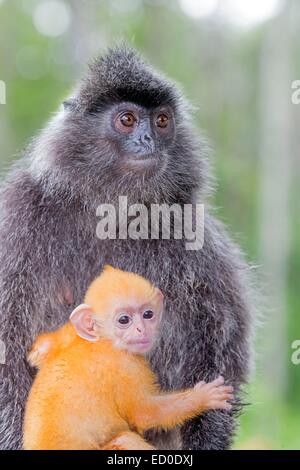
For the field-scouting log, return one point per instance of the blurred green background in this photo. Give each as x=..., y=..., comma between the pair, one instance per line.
x=236, y=61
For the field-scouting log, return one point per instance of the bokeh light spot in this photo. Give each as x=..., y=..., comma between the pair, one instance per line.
x=250, y=12
x=198, y=8
x=52, y=18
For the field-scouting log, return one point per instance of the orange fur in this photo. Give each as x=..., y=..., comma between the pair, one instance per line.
x=128, y=441
x=91, y=395
x=75, y=400
x=120, y=285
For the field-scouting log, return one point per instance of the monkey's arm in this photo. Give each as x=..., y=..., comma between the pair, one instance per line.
x=171, y=409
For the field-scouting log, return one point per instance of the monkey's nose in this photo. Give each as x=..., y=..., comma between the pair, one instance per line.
x=147, y=141
x=146, y=138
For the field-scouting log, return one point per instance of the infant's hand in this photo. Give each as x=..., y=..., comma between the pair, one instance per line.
x=213, y=395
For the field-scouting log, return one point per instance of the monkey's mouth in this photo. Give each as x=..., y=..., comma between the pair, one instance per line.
x=142, y=163
x=142, y=159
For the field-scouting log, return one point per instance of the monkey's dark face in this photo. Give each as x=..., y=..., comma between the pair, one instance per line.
x=140, y=136
x=125, y=132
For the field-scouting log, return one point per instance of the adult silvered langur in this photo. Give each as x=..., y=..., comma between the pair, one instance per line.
x=126, y=131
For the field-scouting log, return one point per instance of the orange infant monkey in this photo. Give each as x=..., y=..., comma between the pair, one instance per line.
x=94, y=389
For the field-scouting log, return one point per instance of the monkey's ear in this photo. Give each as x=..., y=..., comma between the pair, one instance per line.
x=84, y=323
x=70, y=104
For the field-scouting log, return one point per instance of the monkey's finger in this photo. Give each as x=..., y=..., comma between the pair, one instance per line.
x=222, y=405
x=226, y=396
x=226, y=406
x=222, y=393
x=222, y=397
x=224, y=389
x=217, y=382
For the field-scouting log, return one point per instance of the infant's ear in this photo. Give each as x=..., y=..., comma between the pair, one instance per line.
x=84, y=323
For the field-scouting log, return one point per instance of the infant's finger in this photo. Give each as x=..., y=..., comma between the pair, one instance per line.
x=226, y=388
x=217, y=382
x=222, y=396
x=224, y=405
x=227, y=396
x=223, y=391
x=219, y=405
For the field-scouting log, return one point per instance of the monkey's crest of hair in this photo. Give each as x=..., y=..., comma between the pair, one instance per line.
x=115, y=284
x=122, y=75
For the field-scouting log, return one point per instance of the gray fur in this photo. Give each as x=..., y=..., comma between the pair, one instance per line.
x=48, y=243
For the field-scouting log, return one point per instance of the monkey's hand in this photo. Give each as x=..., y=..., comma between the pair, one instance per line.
x=213, y=395
x=171, y=409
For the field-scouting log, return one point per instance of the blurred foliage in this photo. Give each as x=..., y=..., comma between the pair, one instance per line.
x=219, y=68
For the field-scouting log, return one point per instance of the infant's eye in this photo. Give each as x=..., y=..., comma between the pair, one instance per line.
x=148, y=314
x=162, y=120
x=124, y=320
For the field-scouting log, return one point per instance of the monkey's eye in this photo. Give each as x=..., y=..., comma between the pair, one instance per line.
x=162, y=120
x=148, y=314
x=124, y=320
x=125, y=122
x=127, y=119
